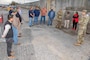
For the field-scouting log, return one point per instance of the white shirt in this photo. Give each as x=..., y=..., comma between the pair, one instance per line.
x=7, y=27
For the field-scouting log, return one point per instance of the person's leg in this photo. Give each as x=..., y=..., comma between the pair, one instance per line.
x=44, y=21
x=68, y=21
x=9, y=47
x=35, y=20
x=51, y=21
x=65, y=24
x=30, y=21
x=60, y=24
x=48, y=21
x=57, y=25
x=83, y=35
x=75, y=25
x=79, y=38
x=15, y=35
x=19, y=30
x=9, y=42
x=41, y=20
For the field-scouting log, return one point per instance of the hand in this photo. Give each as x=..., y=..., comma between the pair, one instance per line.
x=3, y=36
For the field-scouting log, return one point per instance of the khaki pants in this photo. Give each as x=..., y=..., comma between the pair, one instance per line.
x=66, y=23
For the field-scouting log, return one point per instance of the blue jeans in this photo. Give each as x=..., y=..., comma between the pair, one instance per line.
x=35, y=20
x=15, y=35
x=30, y=21
x=50, y=21
x=43, y=18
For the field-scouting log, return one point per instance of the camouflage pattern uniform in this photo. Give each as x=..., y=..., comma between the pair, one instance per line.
x=88, y=27
x=82, y=28
x=59, y=19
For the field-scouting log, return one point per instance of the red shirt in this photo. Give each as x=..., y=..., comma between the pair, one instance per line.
x=76, y=18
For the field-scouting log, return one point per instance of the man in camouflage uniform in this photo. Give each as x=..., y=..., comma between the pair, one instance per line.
x=84, y=19
x=59, y=19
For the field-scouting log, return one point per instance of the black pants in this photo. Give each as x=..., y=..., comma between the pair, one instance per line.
x=9, y=42
x=75, y=25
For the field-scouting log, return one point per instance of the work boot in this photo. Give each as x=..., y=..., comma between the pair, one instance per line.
x=77, y=44
x=12, y=53
x=19, y=35
x=81, y=42
x=11, y=56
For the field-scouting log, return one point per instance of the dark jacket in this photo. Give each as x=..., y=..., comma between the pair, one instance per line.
x=51, y=14
x=37, y=13
x=30, y=12
x=10, y=12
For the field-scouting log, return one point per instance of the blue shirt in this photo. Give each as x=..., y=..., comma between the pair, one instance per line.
x=37, y=13
x=51, y=14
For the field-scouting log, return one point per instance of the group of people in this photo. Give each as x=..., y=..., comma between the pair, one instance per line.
x=75, y=20
x=35, y=13
x=67, y=19
x=12, y=29
x=81, y=21
x=13, y=24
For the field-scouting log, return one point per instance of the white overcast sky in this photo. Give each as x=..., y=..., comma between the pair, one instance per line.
x=19, y=1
